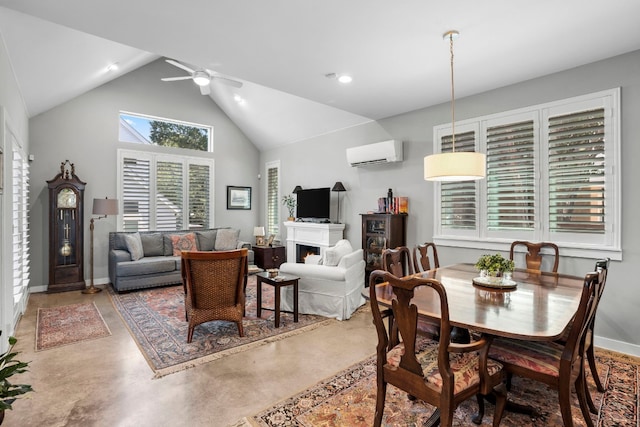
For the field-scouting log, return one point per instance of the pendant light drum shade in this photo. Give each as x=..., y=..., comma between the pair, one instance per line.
x=457, y=166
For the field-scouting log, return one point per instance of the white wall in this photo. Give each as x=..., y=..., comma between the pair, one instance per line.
x=13, y=116
x=321, y=161
x=85, y=131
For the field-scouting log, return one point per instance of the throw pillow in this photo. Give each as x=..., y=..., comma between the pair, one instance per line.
x=332, y=256
x=134, y=246
x=226, y=239
x=206, y=240
x=152, y=244
x=183, y=242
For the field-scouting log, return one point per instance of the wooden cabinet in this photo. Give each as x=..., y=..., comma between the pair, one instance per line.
x=381, y=231
x=66, y=231
x=269, y=256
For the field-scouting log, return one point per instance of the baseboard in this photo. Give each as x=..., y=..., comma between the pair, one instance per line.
x=619, y=346
x=43, y=288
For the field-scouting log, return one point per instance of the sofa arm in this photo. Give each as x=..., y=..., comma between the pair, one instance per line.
x=116, y=256
x=314, y=271
x=250, y=255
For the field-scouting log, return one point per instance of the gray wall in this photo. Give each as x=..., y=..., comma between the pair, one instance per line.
x=85, y=131
x=321, y=162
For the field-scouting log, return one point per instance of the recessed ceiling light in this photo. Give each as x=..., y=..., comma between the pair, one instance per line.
x=345, y=79
x=112, y=67
x=238, y=99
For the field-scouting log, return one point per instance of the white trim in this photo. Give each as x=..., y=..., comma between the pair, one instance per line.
x=618, y=346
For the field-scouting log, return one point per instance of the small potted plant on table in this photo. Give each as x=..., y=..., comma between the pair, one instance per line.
x=495, y=267
x=8, y=367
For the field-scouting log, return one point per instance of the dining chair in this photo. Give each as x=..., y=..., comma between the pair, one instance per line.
x=397, y=261
x=440, y=373
x=421, y=259
x=558, y=365
x=537, y=254
x=215, y=287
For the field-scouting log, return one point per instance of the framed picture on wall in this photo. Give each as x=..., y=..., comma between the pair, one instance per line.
x=238, y=197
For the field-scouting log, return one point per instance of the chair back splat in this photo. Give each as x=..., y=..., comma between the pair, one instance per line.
x=214, y=284
x=537, y=255
x=422, y=260
x=397, y=261
x=441, y=373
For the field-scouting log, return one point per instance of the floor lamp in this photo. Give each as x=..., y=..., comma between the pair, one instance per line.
x=339, y=188
x=102, y=208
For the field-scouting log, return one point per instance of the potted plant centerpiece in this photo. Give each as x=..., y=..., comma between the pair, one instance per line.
x=494, y=267
x=10, y=366
x=290, y=202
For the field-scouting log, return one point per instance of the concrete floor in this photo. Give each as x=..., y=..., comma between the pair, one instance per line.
x=107, y=381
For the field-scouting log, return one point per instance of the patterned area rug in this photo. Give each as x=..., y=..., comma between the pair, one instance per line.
x=156, y=319
x=69, y=324
x=348, y=399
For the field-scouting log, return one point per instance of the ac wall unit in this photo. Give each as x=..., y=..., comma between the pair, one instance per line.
x=372, y=154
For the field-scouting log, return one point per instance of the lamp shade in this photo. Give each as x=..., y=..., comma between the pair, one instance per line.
x=295, y=190
x=338, y=187
x=456, y=166
x=105, y=206
x=258, y=231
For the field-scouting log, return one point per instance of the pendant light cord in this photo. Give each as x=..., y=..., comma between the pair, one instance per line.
x=453, y=99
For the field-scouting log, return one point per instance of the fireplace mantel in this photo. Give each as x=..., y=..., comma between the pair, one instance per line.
x=311, y=234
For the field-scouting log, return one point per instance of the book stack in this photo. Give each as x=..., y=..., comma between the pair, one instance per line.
x=393, y=205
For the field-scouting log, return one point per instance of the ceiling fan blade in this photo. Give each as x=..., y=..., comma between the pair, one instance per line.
x=227, y=81
x=179, y=65
x=173, y=79
x=205, y=90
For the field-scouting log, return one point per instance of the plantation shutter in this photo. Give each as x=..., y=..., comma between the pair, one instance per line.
x=577, y=172
x=136, y=194
x=20, y=231
x=169, y=196
x=273, y=208
x=511, y=176
x=458, y=199
x=199, y=196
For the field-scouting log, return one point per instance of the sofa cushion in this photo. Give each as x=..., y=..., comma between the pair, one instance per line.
x=227, y=239
x=206, y=240
x=152, y=244
x=333, y=255
x=134, y=246
x=183, y=242
x=144, y=266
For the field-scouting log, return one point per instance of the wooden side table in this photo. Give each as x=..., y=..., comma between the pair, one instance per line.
x=269, y=256
x=285, y=280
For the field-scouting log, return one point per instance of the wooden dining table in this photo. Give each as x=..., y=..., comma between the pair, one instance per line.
x=538, y=308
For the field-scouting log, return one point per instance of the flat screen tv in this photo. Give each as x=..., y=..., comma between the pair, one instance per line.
x=314, y=203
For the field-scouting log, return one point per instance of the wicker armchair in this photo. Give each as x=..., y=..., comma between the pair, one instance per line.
x=215, y=287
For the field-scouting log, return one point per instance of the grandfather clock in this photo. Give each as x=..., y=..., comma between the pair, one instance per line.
x=66, y=225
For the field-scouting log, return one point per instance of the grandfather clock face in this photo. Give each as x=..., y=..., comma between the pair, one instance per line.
x=67, y=199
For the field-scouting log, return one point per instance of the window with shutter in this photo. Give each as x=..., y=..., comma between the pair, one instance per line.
x=155, y=190
x=553, y=174
x=273, y=197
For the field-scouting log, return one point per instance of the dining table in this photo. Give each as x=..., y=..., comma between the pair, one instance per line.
x=533, y=306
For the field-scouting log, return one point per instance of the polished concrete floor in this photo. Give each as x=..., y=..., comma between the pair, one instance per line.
x=107, y=381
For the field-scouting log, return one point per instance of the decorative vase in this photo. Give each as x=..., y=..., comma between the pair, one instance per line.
x=494, y=277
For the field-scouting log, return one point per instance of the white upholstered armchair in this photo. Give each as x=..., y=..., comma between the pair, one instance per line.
x=330, y=285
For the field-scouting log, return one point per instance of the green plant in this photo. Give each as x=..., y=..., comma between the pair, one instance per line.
x=494, y=263
x=290, y=202
x=8, y=367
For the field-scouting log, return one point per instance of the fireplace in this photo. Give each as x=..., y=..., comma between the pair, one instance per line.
x=303, y=251
x=320, y=236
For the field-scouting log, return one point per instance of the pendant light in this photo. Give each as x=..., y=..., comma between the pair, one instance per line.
x=454, y=165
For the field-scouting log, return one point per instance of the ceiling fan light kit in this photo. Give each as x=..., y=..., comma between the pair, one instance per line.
x=201, y=78
x=460, y=165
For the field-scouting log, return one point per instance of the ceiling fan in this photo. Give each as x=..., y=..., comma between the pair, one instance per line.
x=202, y=77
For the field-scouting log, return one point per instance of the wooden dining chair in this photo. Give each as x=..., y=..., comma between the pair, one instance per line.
x=558, y=365
x=421, y=258
x=214, y=284
x=397, y=261
x=441, y=373
x=536, y=255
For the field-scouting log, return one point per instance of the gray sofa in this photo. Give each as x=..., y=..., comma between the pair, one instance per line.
x=146, y=259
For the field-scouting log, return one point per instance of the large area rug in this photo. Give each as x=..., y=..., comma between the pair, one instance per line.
x=156, y=319
x=348, y=399
x=68, y=324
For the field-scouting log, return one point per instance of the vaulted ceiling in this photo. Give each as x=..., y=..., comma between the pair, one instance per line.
x=283, y=51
